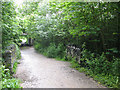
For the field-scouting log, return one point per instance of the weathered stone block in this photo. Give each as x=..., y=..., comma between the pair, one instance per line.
x=10, y=57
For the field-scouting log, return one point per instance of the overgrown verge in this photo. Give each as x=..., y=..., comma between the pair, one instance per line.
x=11, y=32
x=18, y=57
x=100, y=69
x=7, y=80
x=54, y=25
x=52, y=51
x=96, y=66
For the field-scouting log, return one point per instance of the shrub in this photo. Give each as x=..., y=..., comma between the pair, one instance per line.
x=99, y=67
x=36, y=46
x=39, y=48
x=51, y=51
x=60, y=50
x=7, y=80
x=54, y=51
x=15, y=66
x=18, y=53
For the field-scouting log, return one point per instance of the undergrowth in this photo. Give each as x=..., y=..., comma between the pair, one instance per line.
x=94, y=65
x=53, y=51
x=7, y=80
x=104, y=73
x=15, y=67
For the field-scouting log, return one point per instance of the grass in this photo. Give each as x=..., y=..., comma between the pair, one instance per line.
x=60, y=59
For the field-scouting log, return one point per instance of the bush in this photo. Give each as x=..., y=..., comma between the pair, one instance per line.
x=39, y=48
x=54, y=51
x=7, y=80
x=99, y=63
x=18, y=53
x=60, y=50
x=99, y=67
x=101, y=73
x=15, y=67
x=10, y=83
x=36, y=46
x=51, y=51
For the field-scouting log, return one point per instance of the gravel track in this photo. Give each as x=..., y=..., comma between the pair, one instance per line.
x=38, y=71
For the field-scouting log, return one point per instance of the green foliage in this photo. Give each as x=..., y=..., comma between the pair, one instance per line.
x=11, y=31
x=53, y=51
x=15, y=67
x=7, y=80
x=10, y=25
x=100, y=64
x=18, y=53
x=100, y=73
x=108, y=80
x=10, y=83
x=74, y=64
x=39, y=48
x=54, y=25
x=75, y=23
x=99, y=67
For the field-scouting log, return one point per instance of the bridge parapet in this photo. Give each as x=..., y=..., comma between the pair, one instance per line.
x=74, y=52
x=10, y=57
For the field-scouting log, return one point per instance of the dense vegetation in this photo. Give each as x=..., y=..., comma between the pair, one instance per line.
x=10, y=35
x=92, y=27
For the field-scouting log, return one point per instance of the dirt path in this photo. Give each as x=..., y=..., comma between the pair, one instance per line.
x=38, y=71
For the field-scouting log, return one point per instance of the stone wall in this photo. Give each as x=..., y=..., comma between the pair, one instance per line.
x=74, y=52
x=10, y=57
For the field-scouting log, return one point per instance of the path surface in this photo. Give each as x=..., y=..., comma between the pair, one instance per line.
x=38, y=71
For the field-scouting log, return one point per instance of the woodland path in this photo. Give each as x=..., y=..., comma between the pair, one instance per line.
x=38, y=71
